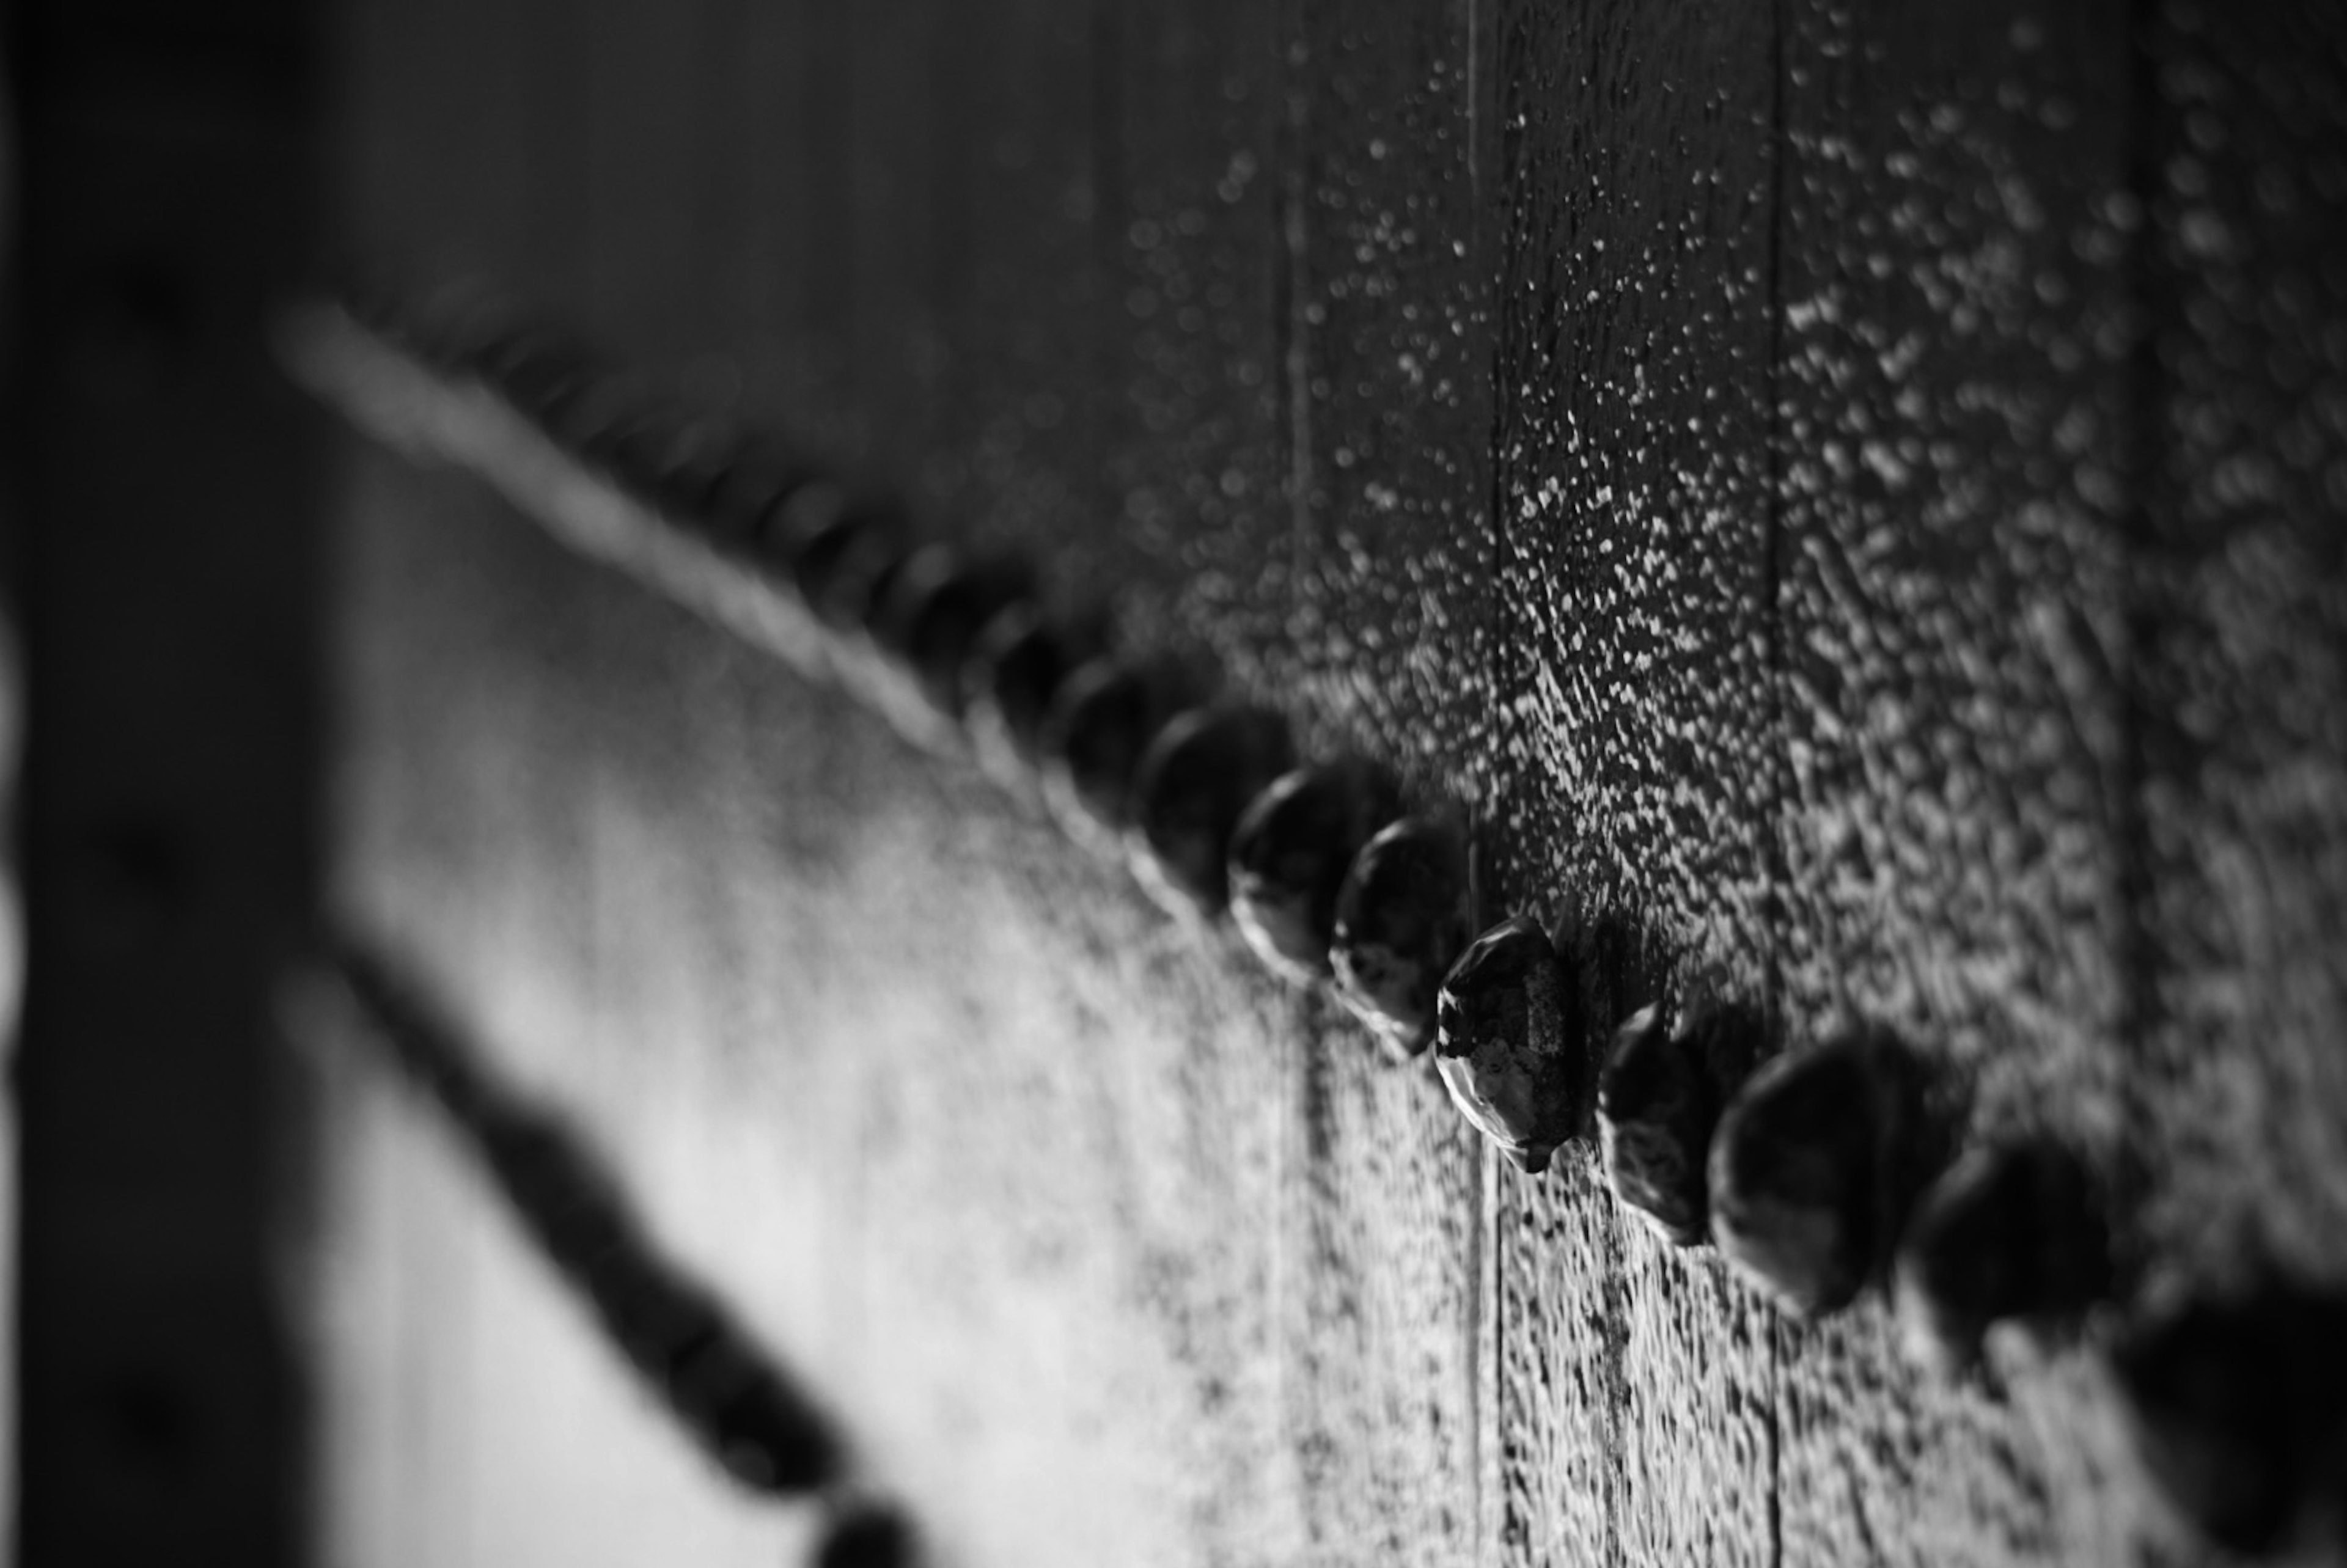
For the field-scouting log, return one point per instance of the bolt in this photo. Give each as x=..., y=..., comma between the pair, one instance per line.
x=1014, y=671
x=1189, y=791
x=1504, y=1042
x=1102, y=719
x=1401, y=922
x=1810, y=1173
x=1658, y=1102
x=2009, y=1232
x=2237, y=1409
x=1288, y=857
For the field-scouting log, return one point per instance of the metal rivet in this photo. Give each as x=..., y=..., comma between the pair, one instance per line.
x=1401, y=923
x=2010, y=1232
x=2237, y=1409
x=1504, y=1042
x=867, y=1535
x=933, y=612
x=758, y=481
x=1189, y=791
x=457, y=325
x=1014, y=671
x=1809, y=1174
x=1288, y=857
x=761, y=1432
x=593, y=419
x=1659, y=1097
x=536, y=369
x=1102, y=722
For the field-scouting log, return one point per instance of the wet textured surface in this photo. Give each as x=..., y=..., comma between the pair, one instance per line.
x=1843, y=524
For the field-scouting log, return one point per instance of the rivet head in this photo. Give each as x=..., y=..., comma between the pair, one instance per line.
x=535, y=370
x=1289, y=854
x=1401, y=923
x=1659, y=1097
x=1102, y=719
x=1807, y=1184
x=1015, y=670
x=1189, y=791
x=1504, y=1042
x=842, y=554
x=932, y=612
x=594, y=416
x=757, y=482
x=674, y=462
x=2011, y=1231
x=2238, y=1410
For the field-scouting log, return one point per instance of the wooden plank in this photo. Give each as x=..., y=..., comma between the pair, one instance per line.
x=1026, y=415
x=1194, y=331
x=1953, y=571
x=959, y=1119
x=2245, y=760
x=1633, y=515
x=1373, y=561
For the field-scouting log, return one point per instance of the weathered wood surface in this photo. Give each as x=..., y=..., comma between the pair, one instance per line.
x=1952, y=568
x=1639, y=754
x=1717, y=448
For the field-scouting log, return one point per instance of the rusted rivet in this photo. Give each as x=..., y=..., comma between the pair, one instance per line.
x=2009, y=1232
x=1014, y=671
x=1504, y=1042
x=1659, y=1097
x=1189, y=790
x=1102, y=722
x=1401, y=923
x=2237, y=1409
x=867, y=1534
x=933, y=611
x=1809, y=1168
x=1289, y=854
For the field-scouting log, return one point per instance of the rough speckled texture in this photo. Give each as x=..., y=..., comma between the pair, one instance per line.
x=1638, y=740
x=1795, y=622
x=2245, y=731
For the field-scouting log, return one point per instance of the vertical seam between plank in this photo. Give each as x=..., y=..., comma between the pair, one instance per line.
x=1775, y=665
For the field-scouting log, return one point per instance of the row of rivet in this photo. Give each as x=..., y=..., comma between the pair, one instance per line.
x=722, y=1389
x=1817, y=1173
